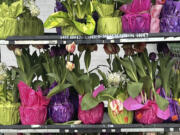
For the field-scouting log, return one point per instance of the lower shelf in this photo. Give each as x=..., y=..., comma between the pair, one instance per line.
x=102, y=128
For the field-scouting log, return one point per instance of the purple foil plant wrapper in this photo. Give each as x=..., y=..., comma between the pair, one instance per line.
x=60, y=108
x=137, y=18
x=173, y=107
x=59, y=7
x=170, y=17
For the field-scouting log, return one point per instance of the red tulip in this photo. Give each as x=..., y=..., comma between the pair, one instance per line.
x=111, y=48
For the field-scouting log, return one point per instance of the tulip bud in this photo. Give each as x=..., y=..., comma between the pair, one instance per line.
x=71, y=47
x=18, y=52
x=70, y=66
x=111, y=48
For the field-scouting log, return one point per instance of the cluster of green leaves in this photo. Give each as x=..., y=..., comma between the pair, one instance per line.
x=166, y=71
x=29, y=68
x=174, y=83
x=11, y=8
x=55, y=70
x=8, y=88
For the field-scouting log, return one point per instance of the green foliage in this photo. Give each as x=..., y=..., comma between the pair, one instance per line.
x=134, y=88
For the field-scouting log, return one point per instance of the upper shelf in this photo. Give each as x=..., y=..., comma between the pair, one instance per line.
x=53, y=39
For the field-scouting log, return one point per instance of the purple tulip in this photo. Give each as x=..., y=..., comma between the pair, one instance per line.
x=152, y=56
x=162, y=47
x=58, y=51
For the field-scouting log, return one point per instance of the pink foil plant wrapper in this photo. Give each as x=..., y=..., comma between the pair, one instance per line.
x=94, y=115
x=148, y=113
x=170, y=17
x=155, y=21
x=137, y=18
x=33, y=109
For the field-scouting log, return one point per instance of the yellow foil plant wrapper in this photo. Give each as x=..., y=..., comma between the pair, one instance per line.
x=109, y=21
x=117, y=113
x=77, y=20
x=9, y=11
x=9, y=106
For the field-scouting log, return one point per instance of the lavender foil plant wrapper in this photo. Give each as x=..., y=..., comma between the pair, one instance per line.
x=170, y=17
x=173, y=107
x=60, y=109
x=59, y=7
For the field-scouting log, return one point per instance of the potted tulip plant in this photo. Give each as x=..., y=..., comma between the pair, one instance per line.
x=77, y=20
x=9, y=103
x=60, y=109
x=142, y=89
x=33, y=109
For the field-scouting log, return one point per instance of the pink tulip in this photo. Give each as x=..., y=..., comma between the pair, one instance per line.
x=71, y=47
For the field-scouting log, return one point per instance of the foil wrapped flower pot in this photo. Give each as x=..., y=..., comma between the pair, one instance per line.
x=60, y=108
x=35, y=115
x=9, y=113
x=117, y=113
x=170, y=17
x=147, y=113
x=92, y=116
x=33, y=109
x=60, y=113
x=109, y=25
x=137, y=18
x=173, y=107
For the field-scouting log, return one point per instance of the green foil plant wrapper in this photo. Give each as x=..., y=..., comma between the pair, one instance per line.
x=9, y=11
x=29, y=25
x=109, y=21
x=9, y=106
x=109, y=25
x=77, y=20
x=117, y=113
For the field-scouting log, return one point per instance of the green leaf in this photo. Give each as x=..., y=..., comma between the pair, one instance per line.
x=58, y=89
x=107, y=94
x=161, y=102
x=134, y=88
x=140, y=67
x=54, y=76
x=105, y=81
x=147, y=85
x=95, y=79
x=89, y=102
x=87, y=59
x=158, y=83
x=116, y=65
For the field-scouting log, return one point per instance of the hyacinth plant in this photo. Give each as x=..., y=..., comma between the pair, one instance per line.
x=78, y=15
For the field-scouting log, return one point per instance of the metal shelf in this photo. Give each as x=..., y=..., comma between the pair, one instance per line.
x=103, y=128
x=53, y=39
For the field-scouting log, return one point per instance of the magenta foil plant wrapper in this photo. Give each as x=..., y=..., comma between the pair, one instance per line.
x=33, y=109
x=170, y=17
x=137, y=18
x=60, y=109
x=94, y=115
x=173, y=107
x=148, y=113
